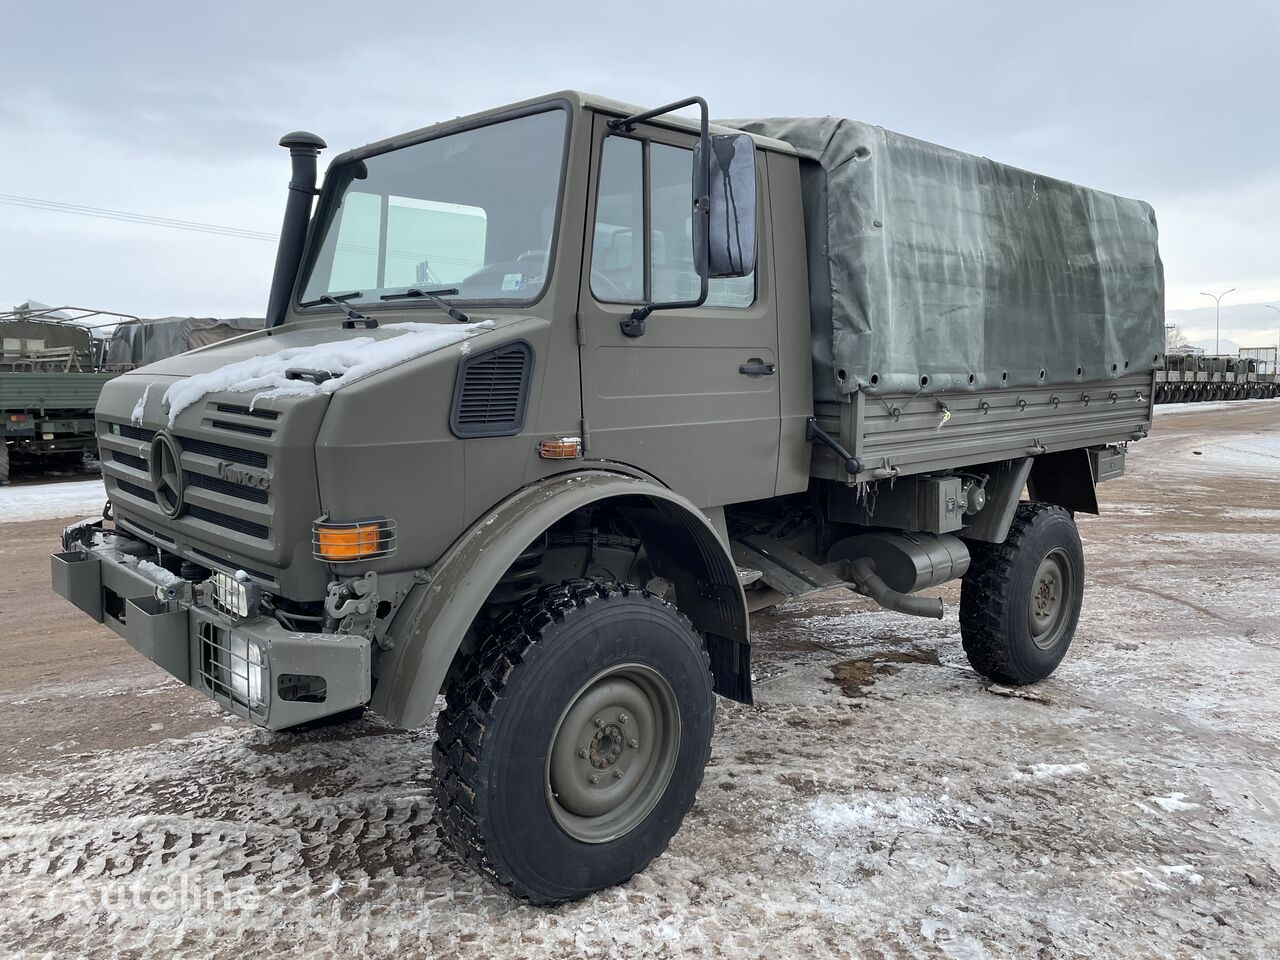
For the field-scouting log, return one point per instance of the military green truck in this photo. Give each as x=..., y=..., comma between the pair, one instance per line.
x=50, y=378
x=549, y=398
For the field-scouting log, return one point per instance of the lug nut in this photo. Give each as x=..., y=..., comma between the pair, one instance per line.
x=624, y=718
x=617, y=774
x=595, y=778
x=582, y=754
x=633, y=743
x=616, y=749
x=598, y=722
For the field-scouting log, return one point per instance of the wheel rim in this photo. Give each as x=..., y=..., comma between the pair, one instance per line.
x=1051, y=592
x=612, y=753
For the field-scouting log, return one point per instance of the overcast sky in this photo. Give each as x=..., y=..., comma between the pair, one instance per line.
x=174, y=110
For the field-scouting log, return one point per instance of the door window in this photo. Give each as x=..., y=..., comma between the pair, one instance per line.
x=661, y=269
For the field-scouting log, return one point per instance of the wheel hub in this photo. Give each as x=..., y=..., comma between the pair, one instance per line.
x=606, y=747
x=612, y=753
x=1048, y=611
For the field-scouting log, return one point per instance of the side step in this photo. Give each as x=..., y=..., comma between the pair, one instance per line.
x=782, y=568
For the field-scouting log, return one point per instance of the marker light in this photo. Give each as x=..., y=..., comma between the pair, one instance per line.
x=358, y=540
x=560, y=448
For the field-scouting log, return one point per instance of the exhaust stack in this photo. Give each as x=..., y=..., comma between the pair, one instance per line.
x=304, y=149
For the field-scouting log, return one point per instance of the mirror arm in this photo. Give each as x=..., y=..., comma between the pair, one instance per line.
x=633, y=325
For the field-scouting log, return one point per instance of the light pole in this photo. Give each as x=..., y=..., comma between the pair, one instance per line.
x=1217, y=334
x=1277, y=364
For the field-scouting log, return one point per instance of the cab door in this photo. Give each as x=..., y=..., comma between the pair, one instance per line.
x=694, y=401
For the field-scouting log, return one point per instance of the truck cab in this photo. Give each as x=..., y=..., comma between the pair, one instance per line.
x=537, y=416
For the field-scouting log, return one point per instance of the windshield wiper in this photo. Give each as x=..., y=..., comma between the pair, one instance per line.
x=353, y=316
x=332, y=298
x=339, y=300
x=433, y=296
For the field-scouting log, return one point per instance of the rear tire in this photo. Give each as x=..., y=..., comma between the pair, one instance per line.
x=572, y=745
x=4, y=463
x=1020, y=600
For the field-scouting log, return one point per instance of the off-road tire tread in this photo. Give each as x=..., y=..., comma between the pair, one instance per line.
x=985, y=595
x=471, y=694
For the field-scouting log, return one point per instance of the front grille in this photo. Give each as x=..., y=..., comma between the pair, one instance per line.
x=136, y=433
x=129, y=460
x=259, y=412
x=221, y=451
x=248, y=428
x=210, y=499
x=136, y=491
x=207, y=482
x=492, y=392
x=238, y=524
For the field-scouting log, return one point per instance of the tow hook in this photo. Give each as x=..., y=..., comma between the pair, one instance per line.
x=351, y=599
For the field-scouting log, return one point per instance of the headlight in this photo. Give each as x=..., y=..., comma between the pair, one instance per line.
x=236, y=594
x=246, y=669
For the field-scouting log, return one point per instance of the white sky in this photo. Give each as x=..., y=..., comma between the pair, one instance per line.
x=174, y=110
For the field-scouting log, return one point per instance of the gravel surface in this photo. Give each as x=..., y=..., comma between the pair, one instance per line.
x=880, y=799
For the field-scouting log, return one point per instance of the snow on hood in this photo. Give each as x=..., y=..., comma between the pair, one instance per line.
x=348, y=360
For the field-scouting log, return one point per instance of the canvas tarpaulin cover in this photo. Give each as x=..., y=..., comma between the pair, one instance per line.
x=136, y=344
x=933, y=270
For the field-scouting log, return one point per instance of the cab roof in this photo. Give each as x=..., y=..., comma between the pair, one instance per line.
x=574, y=99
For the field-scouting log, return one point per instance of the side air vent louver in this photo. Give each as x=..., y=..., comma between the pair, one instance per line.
x=492, y=392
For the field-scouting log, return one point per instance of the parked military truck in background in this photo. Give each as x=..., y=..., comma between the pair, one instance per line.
x=550, y=397
x=55, y=360
x=50, y=377
x=1191, y=378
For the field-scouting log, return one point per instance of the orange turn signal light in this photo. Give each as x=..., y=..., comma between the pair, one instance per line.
x=560, y=448
x=345, y=542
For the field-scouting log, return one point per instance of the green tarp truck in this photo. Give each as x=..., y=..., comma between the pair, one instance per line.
x=548, y=399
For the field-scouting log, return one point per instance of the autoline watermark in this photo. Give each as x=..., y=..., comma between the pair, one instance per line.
x=185, y=896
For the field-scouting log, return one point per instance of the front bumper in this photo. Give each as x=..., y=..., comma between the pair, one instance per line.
x=254, y=668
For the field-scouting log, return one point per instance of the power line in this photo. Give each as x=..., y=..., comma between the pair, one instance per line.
x=143, y=218
x=146, y=219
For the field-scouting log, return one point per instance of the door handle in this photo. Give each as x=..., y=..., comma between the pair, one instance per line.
x=755, y=367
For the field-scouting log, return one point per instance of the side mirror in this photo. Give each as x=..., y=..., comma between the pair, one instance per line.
x=730, y=239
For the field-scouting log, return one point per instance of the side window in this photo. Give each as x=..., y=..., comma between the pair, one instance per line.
x=618, y=262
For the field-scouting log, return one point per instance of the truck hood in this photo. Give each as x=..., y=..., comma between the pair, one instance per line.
x=302, y=361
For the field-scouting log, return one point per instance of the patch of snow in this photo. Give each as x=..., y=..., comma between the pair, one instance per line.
x=44, y=501
x=348, y=360
x=157, y=574
x=1174, y=803
x=1206, y=406
x=140, y=408
x=837, y=818
x=1048, y=771
x=1182, y=870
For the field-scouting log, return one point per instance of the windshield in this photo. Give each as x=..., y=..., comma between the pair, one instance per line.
x=474, y=210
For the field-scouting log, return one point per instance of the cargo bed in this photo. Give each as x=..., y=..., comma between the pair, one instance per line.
x=902, y=434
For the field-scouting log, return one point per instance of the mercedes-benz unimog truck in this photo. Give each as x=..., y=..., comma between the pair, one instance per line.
x=550, y=398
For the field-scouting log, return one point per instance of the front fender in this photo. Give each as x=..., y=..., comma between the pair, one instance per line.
x=682, y=545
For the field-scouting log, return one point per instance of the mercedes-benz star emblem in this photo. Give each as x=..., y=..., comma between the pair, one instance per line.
x=166, y=474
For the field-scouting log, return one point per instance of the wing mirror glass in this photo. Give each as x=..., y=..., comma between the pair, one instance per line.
x=730, y=230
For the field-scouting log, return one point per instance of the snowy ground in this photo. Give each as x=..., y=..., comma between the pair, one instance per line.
x=40, y=501
x=879, y=800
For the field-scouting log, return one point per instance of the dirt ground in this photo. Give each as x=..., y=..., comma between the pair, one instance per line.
x=879, y=800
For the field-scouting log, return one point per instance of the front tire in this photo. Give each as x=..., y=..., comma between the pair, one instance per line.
x=1020, y=600
x=572, y=745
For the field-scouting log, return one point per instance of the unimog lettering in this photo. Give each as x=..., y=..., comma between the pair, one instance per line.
x=373, y=515
x=247, y=478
